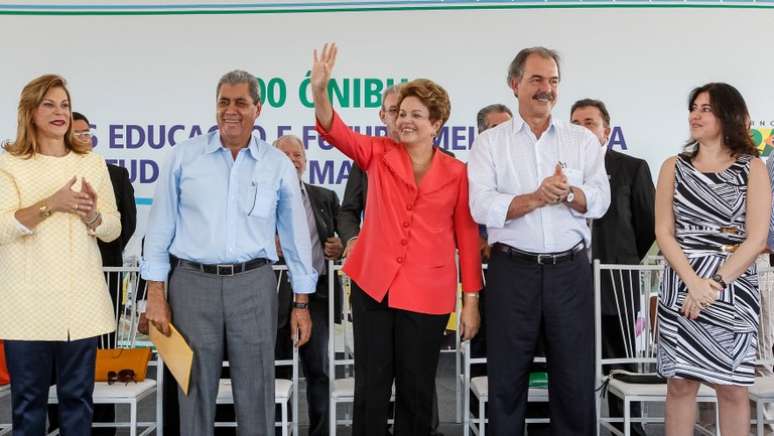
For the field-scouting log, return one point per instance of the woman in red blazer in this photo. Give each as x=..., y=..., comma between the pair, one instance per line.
x=403, y=266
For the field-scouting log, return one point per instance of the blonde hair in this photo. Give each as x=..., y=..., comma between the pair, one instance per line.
x=32, y=95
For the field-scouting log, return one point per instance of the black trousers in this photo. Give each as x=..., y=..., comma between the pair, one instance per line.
x=314, y=363
x=522, y=298
x=394, y=344
x=31, y=365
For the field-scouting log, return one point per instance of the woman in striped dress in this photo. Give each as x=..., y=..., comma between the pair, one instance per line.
x=712, y=211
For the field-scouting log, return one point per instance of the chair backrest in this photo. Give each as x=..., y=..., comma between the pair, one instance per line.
x=632, y=291
x=123, y=285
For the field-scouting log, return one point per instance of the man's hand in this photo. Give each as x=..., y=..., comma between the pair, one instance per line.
x=486, y=249
x=157, y=309
x=350, y=246
x=142, y=324
x=333, y=248
x=555, y=188
x=300, y=326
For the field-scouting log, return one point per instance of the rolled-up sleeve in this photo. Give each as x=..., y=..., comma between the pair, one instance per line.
x=293, y=232
x=110, y=228
x=161, y=223
x=596, y=186
x=10, y=228
x=487, y=205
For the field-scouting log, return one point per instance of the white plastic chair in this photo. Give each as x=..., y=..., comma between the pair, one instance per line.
x=131, y=393
x=5, y=390
x=762, y=392
x=641, y=351
x=285, y=393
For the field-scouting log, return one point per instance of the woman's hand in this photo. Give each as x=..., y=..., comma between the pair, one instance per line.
x=470, y=318
x=67, y=200
x=701, y=293
x=322, y=67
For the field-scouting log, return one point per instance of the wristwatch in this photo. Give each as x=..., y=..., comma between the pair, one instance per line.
x=719, y=279
x=570, y=197
x=45, y=211
x=297, y=305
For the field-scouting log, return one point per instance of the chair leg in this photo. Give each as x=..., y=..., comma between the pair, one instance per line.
x=627, y=417
x=466, y=420
x=332, y=417
x=133, y=418
x=285, y=418
x=481, y=417
x=717, y=419
x=760, y=424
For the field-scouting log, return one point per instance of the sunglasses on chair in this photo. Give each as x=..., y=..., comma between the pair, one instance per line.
x=122, y=376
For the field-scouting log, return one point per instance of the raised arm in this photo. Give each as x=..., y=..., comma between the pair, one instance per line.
x=322, y=67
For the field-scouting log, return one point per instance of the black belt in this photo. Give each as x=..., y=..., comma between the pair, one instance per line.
x=225, y=269
x=540, y=258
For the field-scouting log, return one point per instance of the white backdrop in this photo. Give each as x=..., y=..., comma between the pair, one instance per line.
x=135, y=76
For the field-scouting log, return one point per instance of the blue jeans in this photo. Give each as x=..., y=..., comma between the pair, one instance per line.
x=31, y=365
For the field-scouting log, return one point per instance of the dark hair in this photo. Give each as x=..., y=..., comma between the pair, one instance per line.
x=431, y=95
x=516, y=69
x=492, y=108
x=730, y=109
x=77, y=116
x=590, y=102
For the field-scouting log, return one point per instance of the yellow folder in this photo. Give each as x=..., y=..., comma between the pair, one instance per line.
x=177, y=355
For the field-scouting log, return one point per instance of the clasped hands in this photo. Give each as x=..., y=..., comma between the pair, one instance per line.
x=701, y=294
x=82, y=203
x=555, y=188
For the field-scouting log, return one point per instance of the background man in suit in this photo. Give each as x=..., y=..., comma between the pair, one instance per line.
x=322, y=207
x=622, y=236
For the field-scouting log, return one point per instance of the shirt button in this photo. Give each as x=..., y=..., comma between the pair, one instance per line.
x=409, y=207
x=399, y=259
x=403, y=242
x=405, y=223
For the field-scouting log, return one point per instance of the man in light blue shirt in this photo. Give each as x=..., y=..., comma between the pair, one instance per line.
x=219, y=202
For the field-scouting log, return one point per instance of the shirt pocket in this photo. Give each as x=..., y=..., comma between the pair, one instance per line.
x=259, y=198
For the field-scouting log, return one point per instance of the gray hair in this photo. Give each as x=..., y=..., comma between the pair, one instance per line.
x=394, y=89
x=516, y=69
x=290, y=138
x=237, y=77
x=481, y=117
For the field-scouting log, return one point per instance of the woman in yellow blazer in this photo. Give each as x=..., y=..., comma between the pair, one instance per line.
x=55, y=200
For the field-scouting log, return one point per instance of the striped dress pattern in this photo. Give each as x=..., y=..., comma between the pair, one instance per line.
x=719, y=347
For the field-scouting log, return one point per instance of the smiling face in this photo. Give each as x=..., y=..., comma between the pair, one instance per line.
x=236, y=114
x=538, y=87
x=413, y=123
x=705, y=126
x=52, y=116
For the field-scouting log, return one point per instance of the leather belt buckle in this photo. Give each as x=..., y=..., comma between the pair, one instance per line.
x=729, y=230
x=540, y=258
x=224, y=270
x=728, y=248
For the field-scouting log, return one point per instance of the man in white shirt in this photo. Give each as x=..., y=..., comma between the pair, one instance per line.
x=534, y=182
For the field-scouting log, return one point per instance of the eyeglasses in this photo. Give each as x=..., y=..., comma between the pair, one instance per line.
x=83, y=136
x=122, y=376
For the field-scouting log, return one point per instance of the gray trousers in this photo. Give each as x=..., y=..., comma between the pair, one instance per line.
x=242, y=308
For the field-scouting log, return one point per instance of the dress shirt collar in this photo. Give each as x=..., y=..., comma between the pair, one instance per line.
x=214, y=144
x=519, y=124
